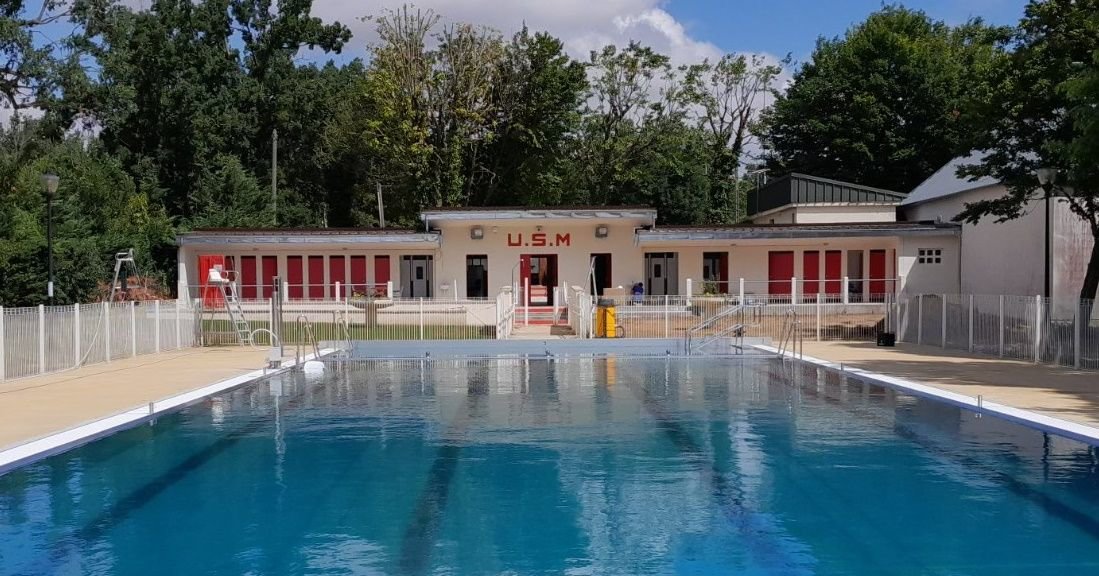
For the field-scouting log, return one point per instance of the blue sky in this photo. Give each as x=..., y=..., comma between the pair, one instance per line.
x=782, y=26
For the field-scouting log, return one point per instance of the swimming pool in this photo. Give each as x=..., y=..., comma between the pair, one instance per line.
x=575, y=466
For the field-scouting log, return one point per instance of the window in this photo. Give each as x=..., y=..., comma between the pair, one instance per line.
x=477, y=276
x=930, y=256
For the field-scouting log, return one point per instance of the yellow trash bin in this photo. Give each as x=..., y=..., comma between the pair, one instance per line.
x=606, y=319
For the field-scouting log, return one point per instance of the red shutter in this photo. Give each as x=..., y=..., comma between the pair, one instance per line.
x=316, y=277
x=335, y=274
x=294, y=277
x=248, y=277
x=381, y=274
x=211, y=296
x=810, y=271
x=358, y=275
x=877, y=274
x=780, y=269
x=833, y=272
x=267, y=275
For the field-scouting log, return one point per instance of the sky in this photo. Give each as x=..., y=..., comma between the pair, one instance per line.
x=686, y=30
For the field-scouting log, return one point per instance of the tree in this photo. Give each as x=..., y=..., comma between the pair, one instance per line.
x=728, y=92
x=1044, y=113
x=882, y=106
x=29, y=71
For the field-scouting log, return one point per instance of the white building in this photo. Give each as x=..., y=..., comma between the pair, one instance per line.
x=1044, y=252
x=808, y=237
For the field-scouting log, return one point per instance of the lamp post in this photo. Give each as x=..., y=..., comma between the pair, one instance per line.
x=50, y=181
x=1047, y=177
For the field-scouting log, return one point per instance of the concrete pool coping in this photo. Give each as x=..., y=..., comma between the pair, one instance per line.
x=52, y=444
x=976, y=404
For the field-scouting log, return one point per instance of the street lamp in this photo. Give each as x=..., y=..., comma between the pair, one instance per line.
x=1047, y=177
x=50, y=181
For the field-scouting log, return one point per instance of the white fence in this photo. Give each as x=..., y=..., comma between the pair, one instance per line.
x=1029, y=328
x=44, y=339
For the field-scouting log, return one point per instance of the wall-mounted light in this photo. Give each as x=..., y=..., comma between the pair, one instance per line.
x=538, y=228
x=477, y=233
x=601, y=231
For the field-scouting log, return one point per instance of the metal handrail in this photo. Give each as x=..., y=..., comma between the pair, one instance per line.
x=688, y=336
x=307, y=328
x=791, y=340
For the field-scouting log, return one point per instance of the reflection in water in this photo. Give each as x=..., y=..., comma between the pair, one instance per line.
x=536, y=466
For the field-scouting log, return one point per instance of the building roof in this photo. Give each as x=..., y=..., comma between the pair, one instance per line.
x=306, y=236
x=645, y=214
x=798, y=188
x=946, y=182
x=788, y=231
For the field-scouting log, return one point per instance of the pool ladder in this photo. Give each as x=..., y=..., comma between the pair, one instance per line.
x=305, y=328
x=792, y=340
x=737, y=330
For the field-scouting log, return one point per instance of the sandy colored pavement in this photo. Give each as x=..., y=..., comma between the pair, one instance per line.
x=1059, y=392
x=34, y=407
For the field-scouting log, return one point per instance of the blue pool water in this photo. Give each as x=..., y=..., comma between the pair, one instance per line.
x=603, y=467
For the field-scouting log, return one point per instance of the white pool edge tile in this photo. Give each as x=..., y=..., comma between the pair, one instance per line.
x=53, y=444
x=1061, y=427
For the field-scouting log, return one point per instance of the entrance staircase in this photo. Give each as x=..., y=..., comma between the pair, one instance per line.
x=541, y=315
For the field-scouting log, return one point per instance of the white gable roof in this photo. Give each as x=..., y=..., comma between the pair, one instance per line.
x=946, y=182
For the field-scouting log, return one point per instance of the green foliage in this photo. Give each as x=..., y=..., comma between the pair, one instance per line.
x=1044, y=113
x=882, y=106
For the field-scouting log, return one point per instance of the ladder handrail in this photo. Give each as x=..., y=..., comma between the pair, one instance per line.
x=792, y=339
x=307, y=330
x=688, y=336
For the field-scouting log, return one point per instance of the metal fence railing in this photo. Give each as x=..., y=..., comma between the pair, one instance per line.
x=1062, y=332
x=44, y=339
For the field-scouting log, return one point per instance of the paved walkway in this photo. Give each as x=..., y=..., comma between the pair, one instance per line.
x=34, y=407
x=1059, y=392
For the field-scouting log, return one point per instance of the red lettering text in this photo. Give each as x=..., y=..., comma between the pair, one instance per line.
x=563, y=240
x=517, y=241
x=538, y=239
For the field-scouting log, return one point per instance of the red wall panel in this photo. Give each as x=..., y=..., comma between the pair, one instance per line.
x=270, y=266
x=833, y=272
x=877, y=273
x=358, y=275
x=810, y=271
x=248, y=277
x=381, y=274
x=295, y=277
x=336, y=274
x=780, y=269
x=316, y=277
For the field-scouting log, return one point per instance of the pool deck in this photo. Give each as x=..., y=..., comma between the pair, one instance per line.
x=1064, y=393
x=36, y=407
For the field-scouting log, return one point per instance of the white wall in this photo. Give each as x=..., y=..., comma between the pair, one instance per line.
x=942, y=278
x=828, y=214
x=996, y=257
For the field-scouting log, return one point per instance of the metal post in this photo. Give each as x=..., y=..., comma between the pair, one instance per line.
x=1077, y=320
x=107, y=332
x=41, y=339
x=526, y=301
x=919, y=318
x=554, y=306
x=845, y=289
x=156, y=316
x=455, y=282
x=285, y=291
x=1001, y=325
x=389, y=289
x=820, y=298
x=179, y=330
x=2, y=343
x=76, y=335
x=741, y=301
x=667, y=313
x=133, y=328
x=1037, y=328
x=338, y=290
x=421, y=318
x=970, y=322
x=943, y=321
x=794, y=290
x=274, y=176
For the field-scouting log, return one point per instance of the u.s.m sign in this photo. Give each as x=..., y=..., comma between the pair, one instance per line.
x=538, y=240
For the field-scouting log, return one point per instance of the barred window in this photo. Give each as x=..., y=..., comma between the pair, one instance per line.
x=930, y=256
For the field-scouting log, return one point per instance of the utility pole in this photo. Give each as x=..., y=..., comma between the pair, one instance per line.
x=274, y=176
x=381, y=206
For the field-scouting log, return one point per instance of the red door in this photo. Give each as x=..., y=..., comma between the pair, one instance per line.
x=336, y=274
x=270, y=266
x=295, y=278
x=833, y=272
x=381, y=274
x=316, y=277
x=810, y=270
x=877, y=275
x=780, y=269
x=248, y=277
x=358, y=275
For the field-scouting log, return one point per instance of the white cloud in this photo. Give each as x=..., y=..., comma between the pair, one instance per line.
x=583, y=25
